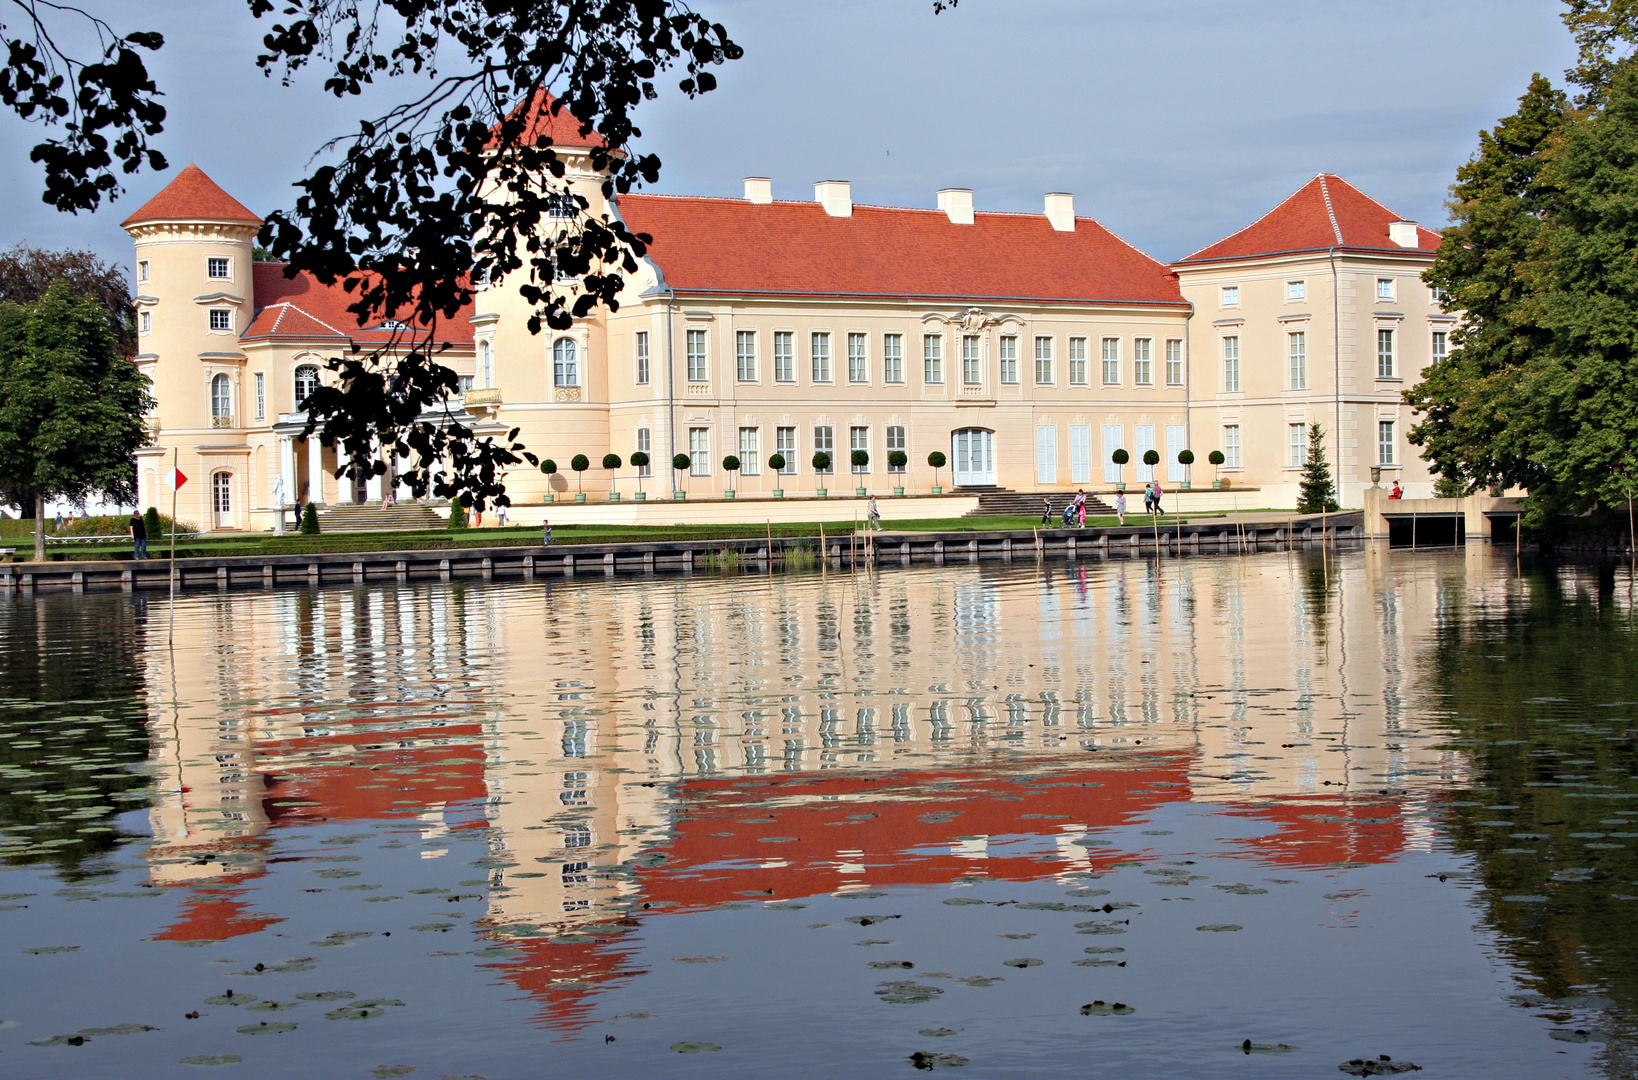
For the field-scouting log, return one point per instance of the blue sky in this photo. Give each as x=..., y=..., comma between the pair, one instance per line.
x=1174, y=122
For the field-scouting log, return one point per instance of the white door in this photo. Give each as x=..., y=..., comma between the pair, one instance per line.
x=221, y=493
x=1046, y=454
x=1145, y=441
x=1176, y=436
x=973, y=456
x=1080, y=454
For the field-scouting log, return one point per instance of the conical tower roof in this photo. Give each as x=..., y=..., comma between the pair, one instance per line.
x=192, y=196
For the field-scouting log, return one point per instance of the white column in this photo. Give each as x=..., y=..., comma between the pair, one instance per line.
x=373, y=488
x=287, y=468
x=315, y=469
x=344, y=484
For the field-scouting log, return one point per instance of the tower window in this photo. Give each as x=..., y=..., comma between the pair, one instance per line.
x=221, y=319
x=216, y=267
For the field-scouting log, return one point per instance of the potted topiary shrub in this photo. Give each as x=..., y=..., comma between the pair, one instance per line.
x=730, y=465
x=937, y=459
x=861, y=462
x=1151, y=458
x=1216, y=459
x=579, y=463
x=821, y=465
x=1185, y=458
x=611, y=462
x=678, y=464
x=896, y=461
x=549, y=467
x=1120, y=458
x=639, y=461
x=777, y=464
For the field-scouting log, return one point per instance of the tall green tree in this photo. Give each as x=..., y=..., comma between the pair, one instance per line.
x=1318, y=494
x=1499, y=205
x=71, y=403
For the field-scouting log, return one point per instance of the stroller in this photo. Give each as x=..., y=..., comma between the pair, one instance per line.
x=1069, y=517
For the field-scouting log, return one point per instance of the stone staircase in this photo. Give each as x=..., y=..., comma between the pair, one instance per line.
x=1002, y=502
x=370, y=517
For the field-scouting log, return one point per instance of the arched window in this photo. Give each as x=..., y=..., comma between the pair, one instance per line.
x=307, y=381
x=221, y=401
x=565, y=363
x=486, y=364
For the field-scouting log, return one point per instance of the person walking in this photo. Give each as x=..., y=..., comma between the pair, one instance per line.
x=873, y=515
x=1046, y=510
x=500, y=515
x=546, y=533
x=1159, y=491
x=1120, y=507
x=1149, y=497
x=1080, y=508
x=139, y=536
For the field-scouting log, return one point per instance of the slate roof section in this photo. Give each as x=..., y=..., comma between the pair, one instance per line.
x=1327, y=212
x=300, y=308
x=730, y=246
x=192, y=196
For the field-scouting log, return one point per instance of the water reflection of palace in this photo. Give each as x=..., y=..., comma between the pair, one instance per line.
x=631, y=747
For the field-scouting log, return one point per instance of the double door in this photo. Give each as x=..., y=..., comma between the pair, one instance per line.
x=973, y=456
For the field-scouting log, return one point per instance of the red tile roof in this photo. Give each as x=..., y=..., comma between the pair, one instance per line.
x=705, y=245
x=192, y=196
x=1324, y=213
x=302, y=308
x=545, y=120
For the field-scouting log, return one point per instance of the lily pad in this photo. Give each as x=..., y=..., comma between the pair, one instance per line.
x=265, y=1028
x=907, y=993
x=231, y=998
x=1220, y=927
x=272, y=1006
x=44, y=949
x=698, y=959
x=1382, y=1065
x=924, y=1059
x=118, y=1029
x=208, y=1060
x=1024, y=962
x=362, y=1010
x=1107, y=1008
x=1249, y=1047
x=694, y=1047
x=961, y=901
x=392, y=1070
x=1576, y=1035
x=61, y=1040
x=327, y=995
x=980, y=980
x=883, y=965
x=936, y=1033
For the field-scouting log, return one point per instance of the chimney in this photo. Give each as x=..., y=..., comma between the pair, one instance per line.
x=758, y=189
x=836, y=196
x=1060, y=210
x=1403, y=233
x=958, y=203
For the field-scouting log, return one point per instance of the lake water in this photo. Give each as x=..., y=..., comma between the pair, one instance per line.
x=1211, y=816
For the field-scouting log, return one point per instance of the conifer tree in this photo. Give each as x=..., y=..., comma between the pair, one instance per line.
x=1319, y=494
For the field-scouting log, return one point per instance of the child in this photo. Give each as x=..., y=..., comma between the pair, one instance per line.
x=546, y=533
x=1120, y=507
x=873, y=515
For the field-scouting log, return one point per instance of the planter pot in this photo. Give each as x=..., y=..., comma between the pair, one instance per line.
x=824, y=493
x=937, y=490
x=614, y=496
x=860, y=492
x=679, y=495
x=728, y=494
x=1186, y=486
x=1120, y=487
x=898, y=491
x=580, y=496
x=551, y=496
x=642, y=496
x=1217, y=485
x=779, y=493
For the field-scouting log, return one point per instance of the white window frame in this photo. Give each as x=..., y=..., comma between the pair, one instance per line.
x=486, y=362
x=145, y=322
x=1113, y=438
x=1228, y=296
x=640, y=357
x=1080, y=454
x=1385, y=364
x=896, y=439
x=1077, y=361
x=1009, y=359
x=858, y=438
x=824, y=441
x=261, y=395
x=222, y=315
x=893, y=358
x=645, y=443
x=745, y=355
x=932, y=359
x=221, y=397
x=142, y=270
x=1174, y=361
x=699, y=451
x=565, y=363
x=1143, y=361
x=1439, y=348
x=784, y=355
x=1043, y=359
x=210, y=268
x=750, y=451
x=785, y=443
x=858, y=357
x=819, y=356
x=1231, y=364
x=1296, y=290
x=1297, y=355
x=1231, y=446
x=1385, y=288
x=1296, y=444
x=1109, y=357
x=694, y=352
x=972, y=366
x=1386, y=441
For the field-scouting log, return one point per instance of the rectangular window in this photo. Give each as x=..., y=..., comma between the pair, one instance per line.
x=696, y=356
x=1043, y=361
x=1296, y=444
x=1230, y=295
x=1112, y=436
x=1384, y=442
x=1177, y=439
x=1080, y=454
x=1231, y=446
x=466, y=385
x=893, y=358
x=216, y=268
x=824, y=442
x=858, y=438
x=1077, y=361
x=142, y=270
x=932, y=358
x=1298, y=350
x=784, y=356
x=819, y=353
x=1296, y=290
x=1111, y=361
x=640, y=345
x=785, y=445
x=1231, y=365
x=699, y=450
x=1384, y=354
x=1143, y=439
x=1441, y=346
x=1143, y=365
x=221, y=319
x=1384, y=288
x=750, y=451
x=858, y=366
x=1174, y=362
x=146, y=322
x=1009, y=360
x=645, y=443
x=745, y=355
x=971, y=370
x=895, y=441
x=261, y=395
x=1046, y=454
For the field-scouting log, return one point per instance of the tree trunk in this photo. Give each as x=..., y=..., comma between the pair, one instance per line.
x=39, y=526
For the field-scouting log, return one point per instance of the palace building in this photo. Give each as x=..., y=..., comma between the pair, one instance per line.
x=1026, y=347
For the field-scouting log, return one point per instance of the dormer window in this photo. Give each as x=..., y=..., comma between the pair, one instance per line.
x=221, y=319
x=216, y=268
x=393, y=324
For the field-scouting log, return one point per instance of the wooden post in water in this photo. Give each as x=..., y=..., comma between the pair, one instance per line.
x=171, y=632
x=769, y=523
